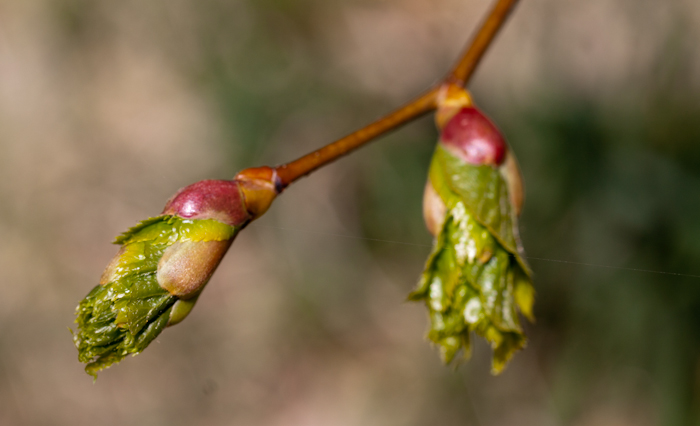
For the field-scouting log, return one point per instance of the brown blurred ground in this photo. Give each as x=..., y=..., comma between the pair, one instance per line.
x=107, y=108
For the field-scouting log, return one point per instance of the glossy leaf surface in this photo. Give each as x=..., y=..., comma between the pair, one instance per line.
x=129, y=308
x=475, y=279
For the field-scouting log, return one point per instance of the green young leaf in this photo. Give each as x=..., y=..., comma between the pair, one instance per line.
x=485, y=194
x=475, y=279
x=129, y=308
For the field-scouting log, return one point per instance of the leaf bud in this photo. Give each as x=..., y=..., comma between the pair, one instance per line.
x=476, y=279
x=164, y=263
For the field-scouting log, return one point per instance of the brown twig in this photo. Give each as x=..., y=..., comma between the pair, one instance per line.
x=463, y=70
x=460, y=75
x=290, y=172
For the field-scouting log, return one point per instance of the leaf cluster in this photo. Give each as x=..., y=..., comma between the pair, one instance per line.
x=129, y=309
x=475, y=279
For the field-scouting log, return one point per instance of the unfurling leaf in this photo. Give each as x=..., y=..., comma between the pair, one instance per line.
x=476, y=279
x=130, y=306
x=163, y=265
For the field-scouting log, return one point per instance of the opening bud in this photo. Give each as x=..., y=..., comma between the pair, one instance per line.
x=157, y=275
x=152, y=282
x=476, y=279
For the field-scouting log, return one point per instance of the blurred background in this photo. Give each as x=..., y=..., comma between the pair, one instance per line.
x=107, y=108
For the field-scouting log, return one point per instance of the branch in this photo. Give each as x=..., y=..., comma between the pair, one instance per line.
x=463, y=70
x=460, y=75
x=184, y=245
x=296, y=169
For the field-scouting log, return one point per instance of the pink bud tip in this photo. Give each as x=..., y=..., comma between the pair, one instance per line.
x=210, y=199
x=471, y=136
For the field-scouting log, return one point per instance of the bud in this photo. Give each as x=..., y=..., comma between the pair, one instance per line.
x=476, y=279
x=163, y=265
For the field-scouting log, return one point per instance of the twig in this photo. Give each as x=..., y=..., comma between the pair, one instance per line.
x=290, y=172
x=460, y=75
x=463, y=70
